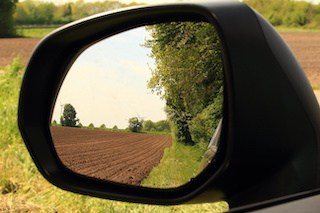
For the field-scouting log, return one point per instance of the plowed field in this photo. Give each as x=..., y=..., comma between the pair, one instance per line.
x=306, y=47
x=116, y=156
x=13, y=47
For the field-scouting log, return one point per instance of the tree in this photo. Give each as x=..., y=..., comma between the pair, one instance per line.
x=162, y=126
x=148, y=125
x=135, y=125
x=159, y=126
x=115, y=127
x=91, y=125
x=188, y=73
x=68, y=117
x=103, y=126
x=7, y=8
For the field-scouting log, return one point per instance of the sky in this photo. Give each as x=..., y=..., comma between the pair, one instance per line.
x=107, y=84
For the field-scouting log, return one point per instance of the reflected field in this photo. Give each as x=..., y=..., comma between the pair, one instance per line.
x=121, y=157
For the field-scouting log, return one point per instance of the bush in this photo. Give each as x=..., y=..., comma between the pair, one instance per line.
x=204, y=124
x=135, y=125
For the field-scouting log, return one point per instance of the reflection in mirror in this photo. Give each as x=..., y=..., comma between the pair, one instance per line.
x=143, y=107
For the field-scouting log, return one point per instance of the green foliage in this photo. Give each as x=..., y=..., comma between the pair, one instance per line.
x=188, y=73
x=159, y=126
x=103, y=126
x=204, y=124
x=10, y=80
x=91, y=125
x=34, y=32
x=115, y=127
x=30, y=12
x=7, y=8
x=135, y=125
x=69, y=116
x=175, y=169
x=288, y=13
x=54, y=123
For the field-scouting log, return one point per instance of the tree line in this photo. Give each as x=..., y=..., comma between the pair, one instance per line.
x=69, y=118
x=30, y=12
x=288, y=13
x=15, y=13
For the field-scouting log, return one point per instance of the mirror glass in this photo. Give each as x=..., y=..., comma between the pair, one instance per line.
x=143, y=107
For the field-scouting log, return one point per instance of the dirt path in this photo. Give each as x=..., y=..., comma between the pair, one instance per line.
x=115, y=156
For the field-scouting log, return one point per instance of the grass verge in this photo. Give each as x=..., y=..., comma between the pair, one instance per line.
x=178, y=165
x=34, y=32
x=296, y=29
x=23, y=189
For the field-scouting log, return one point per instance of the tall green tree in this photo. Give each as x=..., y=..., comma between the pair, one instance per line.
x=188, y=73
x=7, y=8
x=69, y=116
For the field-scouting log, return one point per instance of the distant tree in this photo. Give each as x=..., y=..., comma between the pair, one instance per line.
x=135, y=125
x=43, y=13
x=7, y=8
x=91, y=125
x=54, y=123
x=103, y=126
x=115, y=127
x=80, y=125
x=159, y=126
x=162, y=126
x=148, y=126
x=68, y=117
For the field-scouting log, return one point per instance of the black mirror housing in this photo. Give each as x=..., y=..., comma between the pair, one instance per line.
x=270, y=138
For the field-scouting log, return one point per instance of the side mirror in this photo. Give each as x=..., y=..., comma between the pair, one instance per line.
x=145, y=105
x=219, y=72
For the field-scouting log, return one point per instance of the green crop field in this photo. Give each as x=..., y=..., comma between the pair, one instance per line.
x=23, y=189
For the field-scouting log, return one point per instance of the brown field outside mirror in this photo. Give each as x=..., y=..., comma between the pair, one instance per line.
x=143, y=107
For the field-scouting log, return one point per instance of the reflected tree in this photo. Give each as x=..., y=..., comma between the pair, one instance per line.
x=69, y=116
x=188, y=76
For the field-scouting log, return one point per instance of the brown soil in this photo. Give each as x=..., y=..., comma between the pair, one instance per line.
x=13, y=47
x=306, y=47
x=115, y=156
